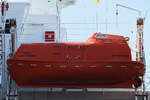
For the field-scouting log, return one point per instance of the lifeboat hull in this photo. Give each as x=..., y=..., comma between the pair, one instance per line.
x=89, y=75
x=103, y=61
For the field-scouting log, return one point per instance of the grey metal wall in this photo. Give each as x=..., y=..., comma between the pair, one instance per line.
x=76, y=96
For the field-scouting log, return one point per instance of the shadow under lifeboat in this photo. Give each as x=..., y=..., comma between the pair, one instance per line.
x=103, y=61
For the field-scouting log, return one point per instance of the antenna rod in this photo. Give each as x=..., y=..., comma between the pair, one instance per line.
x=97, y=2
x=58, y=18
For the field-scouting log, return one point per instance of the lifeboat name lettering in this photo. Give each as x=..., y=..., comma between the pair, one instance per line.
x=120, y=55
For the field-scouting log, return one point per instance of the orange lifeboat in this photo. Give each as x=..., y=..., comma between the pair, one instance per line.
x=103, y=61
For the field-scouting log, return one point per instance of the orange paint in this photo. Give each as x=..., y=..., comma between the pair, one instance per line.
x=103, y=61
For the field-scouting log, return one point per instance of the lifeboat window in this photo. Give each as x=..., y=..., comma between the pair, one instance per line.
x=62, y=66
x=101, y=36
x=123, y=66
x=76, y=66
x=20, y=64
x=108, y=66
x=48, y=66
x=92, y=66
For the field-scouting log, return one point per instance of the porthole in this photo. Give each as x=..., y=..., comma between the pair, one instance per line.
x=108, y=66
x=76, y=66
x=48, y=66
x=62, y=66
x=20, y=64
x=93, y=66
x=123, y=66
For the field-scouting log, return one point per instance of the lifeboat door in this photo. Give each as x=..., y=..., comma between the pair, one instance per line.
x=75, y=55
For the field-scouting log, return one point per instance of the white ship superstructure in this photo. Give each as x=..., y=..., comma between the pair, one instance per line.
x=34, y=19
